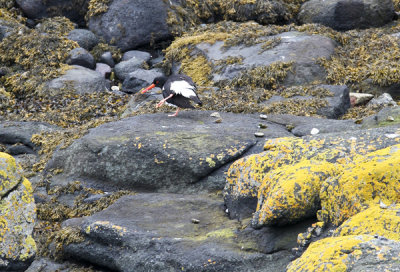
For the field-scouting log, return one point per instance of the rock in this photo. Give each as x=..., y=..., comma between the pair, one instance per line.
x=74, y=10
x=246, y=175
x=17, y=217
x=139, y=79
x=383, y=100
x=177, y=151
x=139, y=100
x=132, y=23
x=382, y=118
x=299, y=48
x=154, y=232
x=85, y=38
x=7, y=27
x=375, y=221
x=124, y=68
x=17, y=135
x=103, y=69
x=144, y=56
x=338, y=104
x=349, y=253
x=357, y=99
x=81, y=79
x=361, y=183
x=347, y=14
x=107, y=58
x=80, y=56
x=303, y=125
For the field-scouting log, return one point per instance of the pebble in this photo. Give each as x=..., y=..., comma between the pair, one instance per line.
x=262, y=125
x=115, y=88
x=259, y=134
x=314, y=131
x=195, y=221
x=263, y=116
x=390, y=118
x=219, y=120
x=215, y=114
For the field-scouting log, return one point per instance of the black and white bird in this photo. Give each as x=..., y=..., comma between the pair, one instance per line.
x=177, y=90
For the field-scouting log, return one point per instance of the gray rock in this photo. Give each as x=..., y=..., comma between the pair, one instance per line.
x=7, y=27
x=166, y=154
x=347, y=14
x=139, y=79
x=107, y=58
x=132, y=23
x=124, y=68
x=299, y=48
x=388, y=116
x=338, y=104
x=80, y=56
x=81, y=79
x=74, y=10
x=144, y=56
x=154, y=232
x=85, y=38
x=103, y=69
x=19, y=134
x=18, y=216
x=383, y=100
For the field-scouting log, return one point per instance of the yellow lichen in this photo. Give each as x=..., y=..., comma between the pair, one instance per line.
x=329, y=254
x=373, y=221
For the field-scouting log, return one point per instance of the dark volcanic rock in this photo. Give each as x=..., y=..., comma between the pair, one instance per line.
x=156, y=152
x=80, y=56
x=347, y=14
x=74, y=10
x=85, y=38
x=168, y=232
x=132, y=23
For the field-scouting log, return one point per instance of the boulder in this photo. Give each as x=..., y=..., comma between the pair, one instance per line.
x=248, y=175
x=349, y=253
x=80, y=56
x=388, y=116
x=132, y=23
x=16, y=136
x=159, y=153
x=17, y=217
x=124, y=68
x=144, y=56
x=74, y=10
x=139, y=79
x=107, y=58
x=170, y=232
x=347, y=14
x=81, y=79
x=103, y=69
x=85, y=38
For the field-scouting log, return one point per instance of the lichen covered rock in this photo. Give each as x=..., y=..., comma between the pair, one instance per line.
x=349, y=253
x=379, y=220
x=17, y=217
x=366, y=180
x=275, y=177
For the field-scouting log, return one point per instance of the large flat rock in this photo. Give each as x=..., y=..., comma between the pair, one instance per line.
x=155, y=232
x=159, y=153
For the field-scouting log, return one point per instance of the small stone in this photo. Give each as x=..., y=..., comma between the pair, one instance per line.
x=215, y=114
x=390, y=118
x=195, y=221
x=314, y=131
x=360, y=98
x=392, y=135
x=259, y=134
x=114, y=88
x=262, y=126
x=382, y=205
x=219, y=120
x=263, y=116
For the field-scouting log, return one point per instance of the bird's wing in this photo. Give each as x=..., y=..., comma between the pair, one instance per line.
x=183, y=88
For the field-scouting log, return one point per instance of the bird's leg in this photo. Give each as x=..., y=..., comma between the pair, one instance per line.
x=175, y=114
x=163, y=101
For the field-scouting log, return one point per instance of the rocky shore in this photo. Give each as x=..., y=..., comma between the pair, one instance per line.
x=290, y=164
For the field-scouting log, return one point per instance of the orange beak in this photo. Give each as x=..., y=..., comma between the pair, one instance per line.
x=148, y=88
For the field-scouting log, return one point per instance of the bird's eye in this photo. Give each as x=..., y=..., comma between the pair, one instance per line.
x=157, y=82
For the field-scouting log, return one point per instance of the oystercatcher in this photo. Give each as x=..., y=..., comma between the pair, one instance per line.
x=177, y=90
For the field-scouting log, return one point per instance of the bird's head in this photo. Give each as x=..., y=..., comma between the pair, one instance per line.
x=157, y=82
